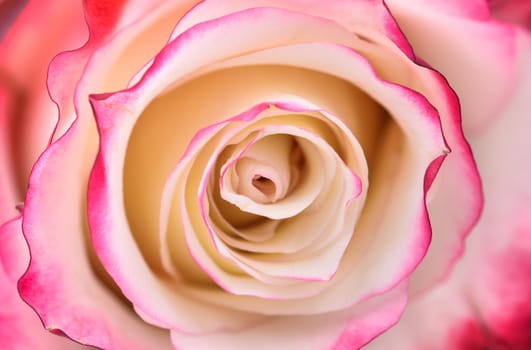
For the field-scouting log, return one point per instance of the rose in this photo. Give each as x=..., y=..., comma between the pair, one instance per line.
x=367, y=317
x=443, y=168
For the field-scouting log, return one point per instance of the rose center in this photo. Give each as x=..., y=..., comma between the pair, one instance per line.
x=264, y=185
x=267, y=172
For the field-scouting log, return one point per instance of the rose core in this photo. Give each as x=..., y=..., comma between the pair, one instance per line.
x=269, y=169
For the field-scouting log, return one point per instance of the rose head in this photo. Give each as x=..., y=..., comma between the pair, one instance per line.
x=264, y=174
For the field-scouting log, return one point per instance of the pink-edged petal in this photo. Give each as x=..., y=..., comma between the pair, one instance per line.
x=485, y=301
x=178, y=172
x=358, y=70
x=62, y=91
x=364, y=17
x=457, y=181
x=347, y=329
x=54, y=222
x=466, y=74
x=123, y=37
x=207, y=36
x=429, y=323
x=500, y=246
x=20, y=327
x=155, y=300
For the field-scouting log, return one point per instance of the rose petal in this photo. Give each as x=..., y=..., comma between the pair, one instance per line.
x=20, y=327
x=61, y=292
x=485, y=301
x=457, y=180
x=490, y=40
x=369, y=18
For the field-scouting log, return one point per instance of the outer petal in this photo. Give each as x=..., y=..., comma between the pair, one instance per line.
x=20, y=328
x=458, y=181
x=62, y=292
x=366, y=17
x=466, y=38
x=485, y=303
x=54, y=220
